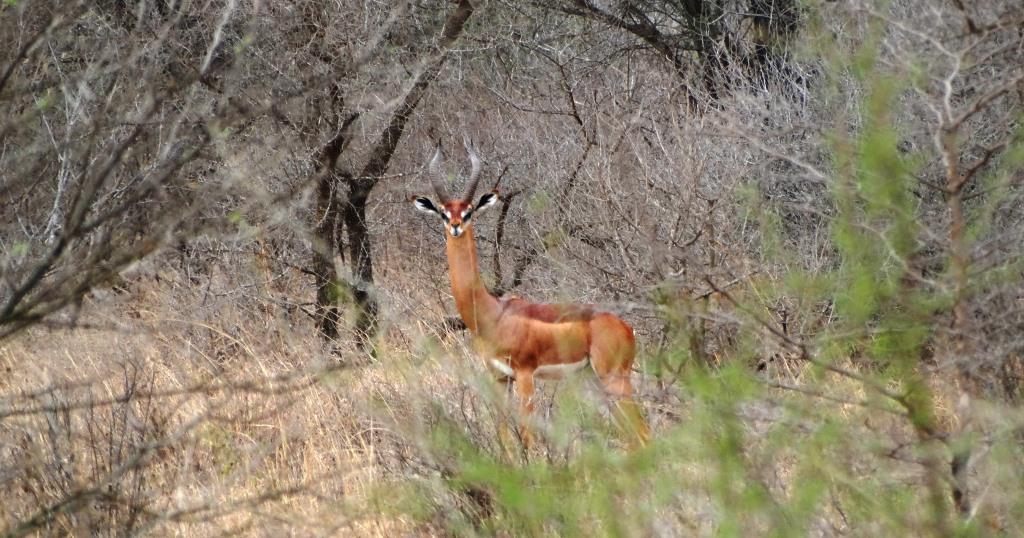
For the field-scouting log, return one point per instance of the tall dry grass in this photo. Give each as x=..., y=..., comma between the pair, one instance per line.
x=205, y=410
x=195, y=411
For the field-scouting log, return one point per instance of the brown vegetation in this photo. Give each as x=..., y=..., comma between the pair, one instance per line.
x=220, y=314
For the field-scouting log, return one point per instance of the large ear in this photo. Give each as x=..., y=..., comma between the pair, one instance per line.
x=425, y=205
x=486, y=201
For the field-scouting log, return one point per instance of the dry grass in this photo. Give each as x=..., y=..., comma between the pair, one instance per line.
x=190, y=411
x=244, y=420
x=252, y=423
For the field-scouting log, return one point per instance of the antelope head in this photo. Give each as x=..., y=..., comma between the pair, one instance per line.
x=455, y=213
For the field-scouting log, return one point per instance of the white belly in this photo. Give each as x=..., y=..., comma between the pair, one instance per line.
x=558, y=371
x=548, y=371
x=502, y=367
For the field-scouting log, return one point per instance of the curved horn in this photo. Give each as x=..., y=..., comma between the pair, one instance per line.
x=435, y=175
x=474, y=173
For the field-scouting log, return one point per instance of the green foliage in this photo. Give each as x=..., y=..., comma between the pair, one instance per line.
x=244, y=43
x=771, y=237
x=538, y=203
x=46, y=100
x=711, y=463
x=223, y=448
x=20, y=249
x=238, y=219
x=339, y=293
x=862, y=439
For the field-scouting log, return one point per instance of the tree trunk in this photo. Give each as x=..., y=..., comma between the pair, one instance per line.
x=326, y=235
x=360, y=259
x=352, y=212
x=327, y=230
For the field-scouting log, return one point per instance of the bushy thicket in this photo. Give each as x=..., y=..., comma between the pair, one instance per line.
x=810, y=213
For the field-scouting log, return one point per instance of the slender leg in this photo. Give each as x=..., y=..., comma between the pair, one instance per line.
x=611, y=355
x=504, y=433
x=524, y=390
x=625, y=410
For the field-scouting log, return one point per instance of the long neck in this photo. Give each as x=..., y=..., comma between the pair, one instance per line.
x=478, y=308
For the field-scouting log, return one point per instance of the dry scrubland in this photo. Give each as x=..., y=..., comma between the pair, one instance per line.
x=190, y=410
x=219, y=314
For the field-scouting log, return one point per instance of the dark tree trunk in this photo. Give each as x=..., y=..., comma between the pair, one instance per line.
x=351, y=213
x=326, y=235
x=360, y=258
x=327, y=229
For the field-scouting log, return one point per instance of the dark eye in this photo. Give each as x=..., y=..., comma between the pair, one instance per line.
x=467, y=214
